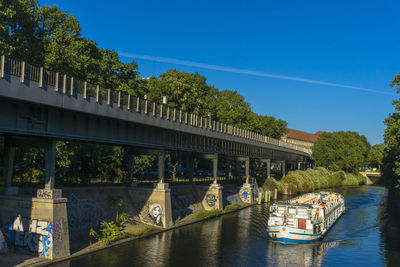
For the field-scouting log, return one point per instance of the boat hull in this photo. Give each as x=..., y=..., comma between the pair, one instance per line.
x=284, y=233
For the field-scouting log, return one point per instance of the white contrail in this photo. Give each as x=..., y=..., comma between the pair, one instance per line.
x=244, y=71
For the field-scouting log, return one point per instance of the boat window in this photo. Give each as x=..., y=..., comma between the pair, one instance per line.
x=281, y=209
x=302, y=212
x=292, y=210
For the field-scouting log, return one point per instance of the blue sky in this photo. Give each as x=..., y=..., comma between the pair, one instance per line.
x=351, y=43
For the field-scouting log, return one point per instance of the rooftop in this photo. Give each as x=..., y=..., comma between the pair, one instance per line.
x=303, y=136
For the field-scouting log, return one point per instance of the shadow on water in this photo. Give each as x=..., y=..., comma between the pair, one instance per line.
x=362, y=237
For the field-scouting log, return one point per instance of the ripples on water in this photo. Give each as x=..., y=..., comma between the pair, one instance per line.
x=360, y=238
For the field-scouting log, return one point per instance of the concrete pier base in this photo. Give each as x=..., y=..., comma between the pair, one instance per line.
x=158, y=210
x=246, y=193
x=213, y=198
x=49, y=219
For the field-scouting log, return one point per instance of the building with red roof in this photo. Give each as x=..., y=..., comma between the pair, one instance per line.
x=301, y=138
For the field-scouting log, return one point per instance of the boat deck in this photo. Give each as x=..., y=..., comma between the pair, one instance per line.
x=314, y=198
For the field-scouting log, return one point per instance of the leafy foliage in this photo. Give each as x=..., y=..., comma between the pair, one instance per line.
x=375, y=156
x=391, y=157
x=346, y=151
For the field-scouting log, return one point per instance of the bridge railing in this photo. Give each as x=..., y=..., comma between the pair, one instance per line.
x=68, y=85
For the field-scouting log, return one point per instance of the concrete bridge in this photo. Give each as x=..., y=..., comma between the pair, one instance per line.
x=373, y=177
x=38, y=106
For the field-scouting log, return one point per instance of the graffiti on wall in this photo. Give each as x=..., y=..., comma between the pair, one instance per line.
x=155, y=212
x=32, y=235
x=83, y=213
x=211, y=200
x=245, y=195
x=3, y=243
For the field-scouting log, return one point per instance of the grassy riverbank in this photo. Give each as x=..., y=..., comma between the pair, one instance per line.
x=298, y=182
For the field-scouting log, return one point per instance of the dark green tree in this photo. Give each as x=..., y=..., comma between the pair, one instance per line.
x=231, y=108
x=186, y=91
x=20, y=35
x=346, y=151
x=391, y=157
x=375, y=156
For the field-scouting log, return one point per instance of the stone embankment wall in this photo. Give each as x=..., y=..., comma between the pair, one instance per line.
x=88, y=206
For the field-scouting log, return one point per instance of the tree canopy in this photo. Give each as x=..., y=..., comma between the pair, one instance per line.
x=391, y=156
x=375, y=156
x=346, y=151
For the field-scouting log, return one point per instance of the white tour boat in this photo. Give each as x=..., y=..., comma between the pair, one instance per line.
x=305, y=218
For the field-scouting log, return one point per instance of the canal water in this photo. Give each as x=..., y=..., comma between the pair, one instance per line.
x=367, y=235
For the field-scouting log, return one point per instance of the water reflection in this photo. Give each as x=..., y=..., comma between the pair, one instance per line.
x=312, y=254
x=365, y=235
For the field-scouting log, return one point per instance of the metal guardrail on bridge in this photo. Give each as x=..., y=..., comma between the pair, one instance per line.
x=70, y=86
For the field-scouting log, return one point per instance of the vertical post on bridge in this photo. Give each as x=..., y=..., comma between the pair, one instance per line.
x=56, y=82
x=84, y=89
x=64, y=88
x=97, y=93
x=41, y=77
x=22, y=78
x=2, y=61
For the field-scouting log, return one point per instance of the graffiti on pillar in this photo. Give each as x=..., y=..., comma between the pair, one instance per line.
x=59, y=235
x=211, y=199
x=49, y=193
x=155, y=212
x=44, y=194
x=32, y=235
x=245, y=195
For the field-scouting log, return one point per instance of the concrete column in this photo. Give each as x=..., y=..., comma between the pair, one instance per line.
x=247, y=170
x=8, y=165
x=161, y=166
x=215, y=168
x=190, y=167
x=129, y=176
x=50, y=163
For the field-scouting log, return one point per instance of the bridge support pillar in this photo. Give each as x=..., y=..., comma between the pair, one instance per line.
x=247, y=170
x=268, y=163
x=161, y=166
x=283, y=168
x=213, y=198
x=190, y=167
x=215, y=168
x=129, y=176
x=50, y=208
x=8, y=164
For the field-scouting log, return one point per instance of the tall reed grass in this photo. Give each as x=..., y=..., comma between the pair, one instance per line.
x=298, y=182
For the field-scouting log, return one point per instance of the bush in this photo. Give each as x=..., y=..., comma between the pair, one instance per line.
x=109, y=232
x=123, y=218
x=271, y=184
x=312, y=179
